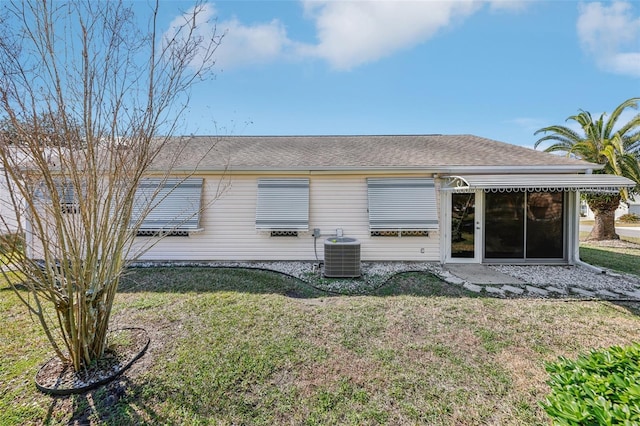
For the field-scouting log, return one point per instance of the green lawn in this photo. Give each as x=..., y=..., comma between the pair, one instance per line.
x=625, y=260
x=253, y=347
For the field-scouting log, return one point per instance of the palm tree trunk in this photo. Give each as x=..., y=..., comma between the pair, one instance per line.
x=604, y=208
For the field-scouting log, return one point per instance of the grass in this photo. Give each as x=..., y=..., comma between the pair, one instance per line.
x=625, y=260
x=252, y=347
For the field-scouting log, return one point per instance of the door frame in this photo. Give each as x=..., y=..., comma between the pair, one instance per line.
x=446, y=235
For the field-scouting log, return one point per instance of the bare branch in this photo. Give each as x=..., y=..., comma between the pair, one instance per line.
x=84, y=95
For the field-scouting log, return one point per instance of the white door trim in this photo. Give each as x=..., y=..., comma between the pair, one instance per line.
x=446, y=234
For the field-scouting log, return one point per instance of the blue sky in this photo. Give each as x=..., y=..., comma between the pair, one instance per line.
x=497, y=69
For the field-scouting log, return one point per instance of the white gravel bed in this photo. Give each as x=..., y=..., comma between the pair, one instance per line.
x=374, y=274
x=566, y=277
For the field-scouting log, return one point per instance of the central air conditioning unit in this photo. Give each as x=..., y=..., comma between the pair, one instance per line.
x=341, y=257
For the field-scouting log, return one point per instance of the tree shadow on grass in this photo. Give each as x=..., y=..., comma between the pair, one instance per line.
x=257, y=281
x=632, y=307
x=624, y=262
x=117, y=403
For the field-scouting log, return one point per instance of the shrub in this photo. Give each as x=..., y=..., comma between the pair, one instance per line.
x=629, y=217
x=600, y=388
x=10, y=243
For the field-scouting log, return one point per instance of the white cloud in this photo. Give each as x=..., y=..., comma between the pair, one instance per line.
x=508, y=5
x=528, y=124
x=201, y=17
x=349, y=33
x=610, y=34
x=241, y=44
x=251, y=44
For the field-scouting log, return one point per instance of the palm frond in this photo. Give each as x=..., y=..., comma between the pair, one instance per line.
x=618, y=152
x=631, y=126
x=558, y=133
x=615, y=115
x=632, y=143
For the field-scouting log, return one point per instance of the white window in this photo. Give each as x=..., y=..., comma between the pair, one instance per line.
x=167, y=206
x=67, y=195
x=402, y=204
x=283, y=205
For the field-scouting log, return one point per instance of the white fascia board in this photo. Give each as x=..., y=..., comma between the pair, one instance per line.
x=393, y=169
x=470, y=170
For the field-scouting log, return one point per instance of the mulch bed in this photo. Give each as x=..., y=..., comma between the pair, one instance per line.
x=58, y=378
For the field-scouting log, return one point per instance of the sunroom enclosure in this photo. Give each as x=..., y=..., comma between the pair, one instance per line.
x=524, y=226
x=517, y=218
x=505, y=227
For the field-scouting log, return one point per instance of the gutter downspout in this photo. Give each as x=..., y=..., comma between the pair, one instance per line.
x=576, y=239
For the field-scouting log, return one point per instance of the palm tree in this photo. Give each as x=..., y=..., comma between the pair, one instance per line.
x=602, y=142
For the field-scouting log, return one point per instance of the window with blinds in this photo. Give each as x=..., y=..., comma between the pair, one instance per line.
x=167, y=206
x=402, y=204
x=283, y=204
x=68, y=196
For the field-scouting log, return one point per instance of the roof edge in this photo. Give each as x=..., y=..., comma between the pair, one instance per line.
x=545, y=169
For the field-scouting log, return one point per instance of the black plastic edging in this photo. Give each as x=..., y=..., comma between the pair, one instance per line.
x=83, y=389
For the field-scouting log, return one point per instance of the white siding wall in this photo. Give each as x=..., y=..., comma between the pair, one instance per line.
x=8, y=220
x=335, y=201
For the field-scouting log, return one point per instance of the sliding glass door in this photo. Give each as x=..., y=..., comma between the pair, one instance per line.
x=504, y=225
x=545, y=225
x=524, y=225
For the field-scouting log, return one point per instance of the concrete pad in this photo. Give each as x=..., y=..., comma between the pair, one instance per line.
x=472, y=287
x=607, y=294
x=583, y=292
x=494, y=290
x=452, y=279
x=633, y=294
x=511, y=289
x=480, y=274
x=556, y=290
x=536, y=290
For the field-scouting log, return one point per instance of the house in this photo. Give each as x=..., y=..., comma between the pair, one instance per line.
x=9, y=217
x=8, y=220
x=441, y=198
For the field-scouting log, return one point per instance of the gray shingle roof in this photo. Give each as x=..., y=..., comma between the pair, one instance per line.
x=432, y=152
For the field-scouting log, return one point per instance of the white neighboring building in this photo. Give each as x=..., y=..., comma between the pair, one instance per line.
x=634, y=207
x=16, y=157
x=8, y=220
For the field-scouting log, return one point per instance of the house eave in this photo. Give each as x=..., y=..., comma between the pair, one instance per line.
x=434, y=170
